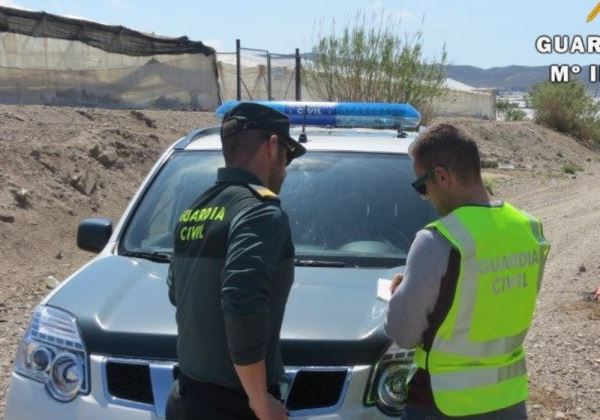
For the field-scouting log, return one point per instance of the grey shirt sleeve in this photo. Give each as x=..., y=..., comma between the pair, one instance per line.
x=256, y=239
x=415, y=298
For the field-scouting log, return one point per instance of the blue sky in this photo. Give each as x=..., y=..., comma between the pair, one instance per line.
x=484, y=33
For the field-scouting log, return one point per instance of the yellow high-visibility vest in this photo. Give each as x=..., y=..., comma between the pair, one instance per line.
x=476, y=362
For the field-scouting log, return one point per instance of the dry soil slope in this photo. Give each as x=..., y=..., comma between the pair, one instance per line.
x=77, y=163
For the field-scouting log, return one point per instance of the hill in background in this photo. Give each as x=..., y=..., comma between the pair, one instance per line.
x=510, y=78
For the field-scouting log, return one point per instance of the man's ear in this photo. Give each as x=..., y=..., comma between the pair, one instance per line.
x=273, y=146
x=443, y=176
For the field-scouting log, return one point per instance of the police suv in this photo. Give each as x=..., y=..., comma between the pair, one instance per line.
x=103, y=344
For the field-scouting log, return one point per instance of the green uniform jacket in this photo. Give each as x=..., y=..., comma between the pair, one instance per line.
x=230, y=277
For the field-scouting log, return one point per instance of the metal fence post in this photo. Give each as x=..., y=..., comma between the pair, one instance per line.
x=238, y=69
x=269, y=89
x=298, y=78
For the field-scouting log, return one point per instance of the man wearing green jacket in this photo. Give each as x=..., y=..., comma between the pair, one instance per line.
x=232, y=270
x=467, y=297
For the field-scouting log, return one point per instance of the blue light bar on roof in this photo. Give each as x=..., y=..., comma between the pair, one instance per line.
x=341, y=114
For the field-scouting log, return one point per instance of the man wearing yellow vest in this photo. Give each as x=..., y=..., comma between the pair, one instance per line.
x=467, y=297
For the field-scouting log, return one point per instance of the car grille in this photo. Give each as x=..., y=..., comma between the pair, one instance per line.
x=310, y=388
x=316, y=389
x=130, y=382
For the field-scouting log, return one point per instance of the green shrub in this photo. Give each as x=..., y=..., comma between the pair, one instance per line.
x=510, y=111
x=567, y=107
x=504, y=105
x=571, y=168
x=514, y=114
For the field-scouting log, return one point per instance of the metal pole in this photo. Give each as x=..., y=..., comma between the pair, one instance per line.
x=238, y=69
x=298, y=79
x=269, y=91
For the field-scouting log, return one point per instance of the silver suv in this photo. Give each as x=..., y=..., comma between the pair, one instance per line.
x=103, y=344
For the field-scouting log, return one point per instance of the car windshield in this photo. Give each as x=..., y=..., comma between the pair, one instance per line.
x=353, y=208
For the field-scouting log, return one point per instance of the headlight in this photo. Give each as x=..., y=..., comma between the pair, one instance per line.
x=52, y=352
x=389, y=380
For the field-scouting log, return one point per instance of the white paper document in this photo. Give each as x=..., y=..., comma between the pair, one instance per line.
x=383, y=289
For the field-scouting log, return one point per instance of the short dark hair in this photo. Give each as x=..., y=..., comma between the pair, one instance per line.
x=242, y=146
x=448, y=146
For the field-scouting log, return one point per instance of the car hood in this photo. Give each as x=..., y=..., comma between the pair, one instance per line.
x=333, y=315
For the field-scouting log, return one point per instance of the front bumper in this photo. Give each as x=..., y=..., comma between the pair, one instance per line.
x=29, y=400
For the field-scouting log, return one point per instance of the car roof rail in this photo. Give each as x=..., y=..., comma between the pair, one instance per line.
x=195, y=135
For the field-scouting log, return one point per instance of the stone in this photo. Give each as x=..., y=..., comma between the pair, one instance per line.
x=95, y=151
x=22, y=196
x=489, y=163
x=51, y=282
x=507, y=166
x=84, y=183
x=107, y=158
x=85, y=114
x=7, y=218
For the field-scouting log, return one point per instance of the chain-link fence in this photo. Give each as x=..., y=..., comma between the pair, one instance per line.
x=254, y=74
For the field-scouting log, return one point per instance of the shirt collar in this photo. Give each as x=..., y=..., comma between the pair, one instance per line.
x=237, y=176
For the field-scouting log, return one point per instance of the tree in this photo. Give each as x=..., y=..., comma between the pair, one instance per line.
x=368, y=61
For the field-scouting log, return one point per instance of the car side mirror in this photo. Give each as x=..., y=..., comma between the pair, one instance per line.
x=93, y=234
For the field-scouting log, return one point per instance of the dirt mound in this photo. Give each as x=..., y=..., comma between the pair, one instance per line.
x=61, y=165
x=524, y=146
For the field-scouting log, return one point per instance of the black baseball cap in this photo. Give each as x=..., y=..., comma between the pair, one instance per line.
x=250, y=115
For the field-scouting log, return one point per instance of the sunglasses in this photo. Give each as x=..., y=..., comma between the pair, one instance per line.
x=243, y=124
x=420, y=185
x=289, y=150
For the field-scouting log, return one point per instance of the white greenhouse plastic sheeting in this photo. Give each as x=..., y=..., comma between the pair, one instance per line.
x=48, y=59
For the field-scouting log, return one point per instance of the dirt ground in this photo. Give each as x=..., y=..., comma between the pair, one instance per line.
x=61, y=165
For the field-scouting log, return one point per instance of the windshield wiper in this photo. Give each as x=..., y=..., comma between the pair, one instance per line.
x=320, y=263
x=149, y=255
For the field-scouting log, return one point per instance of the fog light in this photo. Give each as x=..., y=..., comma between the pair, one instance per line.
x=392, y=388
x=388, y=385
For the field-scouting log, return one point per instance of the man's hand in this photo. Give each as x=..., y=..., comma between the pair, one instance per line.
x=269, y=408
x=396, y=282
x=264, y=405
